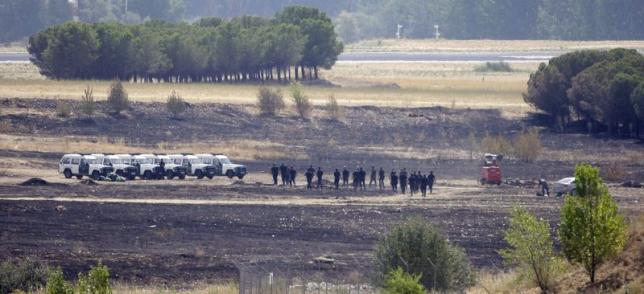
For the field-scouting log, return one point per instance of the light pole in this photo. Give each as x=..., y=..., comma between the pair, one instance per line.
x=436, y=33
x=398, y=32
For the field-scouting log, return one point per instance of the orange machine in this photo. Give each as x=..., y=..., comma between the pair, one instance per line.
x=491, y=172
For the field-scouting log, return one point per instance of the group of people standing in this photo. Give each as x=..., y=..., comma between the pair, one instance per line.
x=416, y=181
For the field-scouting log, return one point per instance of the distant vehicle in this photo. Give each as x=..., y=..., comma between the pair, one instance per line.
x=121, y=167
x=223, y=165
x=565, y=186
x=146, y=167
x=83, y=165
x=196, y=167
x=491, y=172
x=230, y=169
x=173, y=166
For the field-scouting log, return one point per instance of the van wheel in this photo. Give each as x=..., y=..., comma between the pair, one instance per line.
x=131, y=178
x=147, y=175
x=119, y=173
x=482, y=181
x=182, y=177
x=229, y=174
x=68, y=174
x=210, y=177
x=170, y=175
x=240, y=177
x=96, y=175
x=79, y=177
x=199, y=174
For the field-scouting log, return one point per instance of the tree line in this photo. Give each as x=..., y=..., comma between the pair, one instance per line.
x=605, y=89
x=293, y=44
x=360, y=19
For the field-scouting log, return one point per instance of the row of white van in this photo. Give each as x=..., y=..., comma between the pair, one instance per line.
x=149, y=166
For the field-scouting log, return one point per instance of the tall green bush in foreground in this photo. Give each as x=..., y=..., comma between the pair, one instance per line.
x=96, y=281
x=531, y=249
x=592, y=230
x=400, y=282
x=56, y=283
x=419, y=248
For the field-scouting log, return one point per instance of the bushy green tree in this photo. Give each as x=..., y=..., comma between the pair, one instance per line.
x=117, y=97
x=21, y=275
x=400, y=282
x=531, y=249
x=592, y=230
x=96, y=281
x=419, y=248
x=56, y=283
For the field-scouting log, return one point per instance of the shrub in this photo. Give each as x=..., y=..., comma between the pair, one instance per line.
x=531, y=249
x=400, y=282
x=527, y=146
x=592, y=229
x=496, y=144
x=499, y=66
x=117, y=97
x=97, y=281
x=269, y=101
x=419, y=248
x=21, y=274
x=88, y=105
x=334, y=110
x=303, y=104
x=175, y=104
x=63, y=109
x=56, y=283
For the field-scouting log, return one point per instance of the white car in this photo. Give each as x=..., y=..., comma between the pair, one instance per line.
x=196, y=167
x=173, y=167
x=230, y=169
x=146, y=166
x=565, y=186
x=70, y=165
x=121, y=167
x=95, y=167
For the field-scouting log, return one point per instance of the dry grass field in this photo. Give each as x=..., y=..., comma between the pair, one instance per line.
x=378, y=84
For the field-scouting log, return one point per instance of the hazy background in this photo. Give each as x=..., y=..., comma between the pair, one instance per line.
x=360, y=19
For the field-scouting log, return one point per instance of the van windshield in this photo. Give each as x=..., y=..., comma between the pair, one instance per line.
x=195, y=160
x=178, y=161
x=224, y=160
x=107, y=161
x=116, y=161
x=144, y=160
x=206, y=161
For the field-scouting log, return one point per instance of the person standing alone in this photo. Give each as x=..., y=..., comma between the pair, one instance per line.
x=275, y=172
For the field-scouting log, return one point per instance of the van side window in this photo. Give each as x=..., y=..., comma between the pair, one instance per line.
x=67, y=160
x=75, y=160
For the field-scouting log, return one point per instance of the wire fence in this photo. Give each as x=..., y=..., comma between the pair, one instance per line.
x=256, y=279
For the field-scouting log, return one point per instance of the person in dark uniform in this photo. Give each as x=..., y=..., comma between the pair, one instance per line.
x=423, y=185
x=393, y=179
x=292, y=173
x=430, y=181
x=161, y=169
x=363, y=179
x=319, y=174
x=345, y=177
x=372, y=177
x=381, y=179
x=309, y=177
x=283, y=173
x=403, y=180
x=275, y=172
x=336, y=178
x=355, y=178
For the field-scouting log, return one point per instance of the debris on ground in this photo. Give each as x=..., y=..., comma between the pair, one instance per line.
x=632, y=184
x=88, y=182
x=324, y=260
x=60, y=208
x=34, y=182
